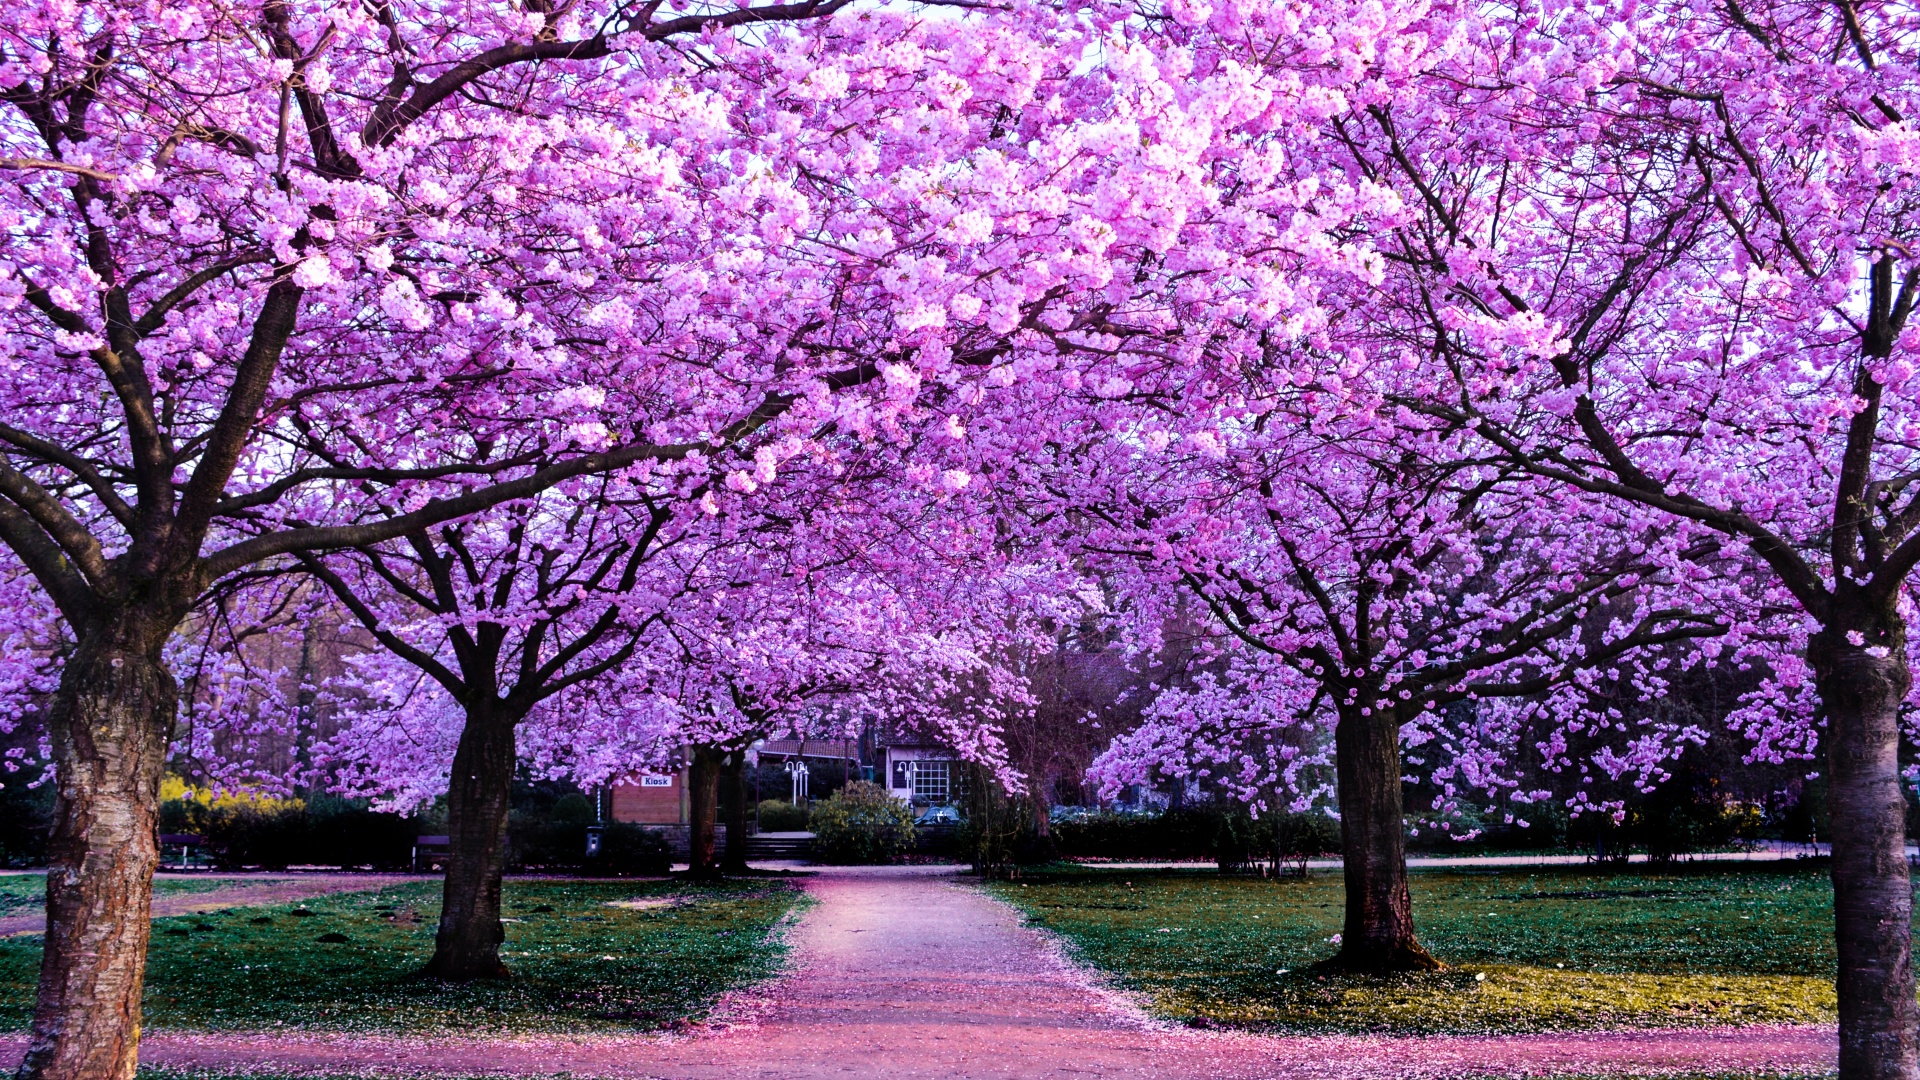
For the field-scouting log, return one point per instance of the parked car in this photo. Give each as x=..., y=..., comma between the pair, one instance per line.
x=939, y=815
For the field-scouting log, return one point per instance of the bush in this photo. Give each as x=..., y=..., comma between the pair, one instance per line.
x=538, y=843
x=572, y=808
x=349, y=835
x=999, y=835
x=1683, y=817
x=777, y=815
x=1175, y=834
x=1282, y=842
x=861, y=823
x=626, y=849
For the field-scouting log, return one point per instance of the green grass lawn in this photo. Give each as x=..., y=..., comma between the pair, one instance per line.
x=23, y=894
x=580, y=965
x=1526, y=948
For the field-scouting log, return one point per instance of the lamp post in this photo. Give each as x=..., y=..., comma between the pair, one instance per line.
x=753, y=770
x=798, y=771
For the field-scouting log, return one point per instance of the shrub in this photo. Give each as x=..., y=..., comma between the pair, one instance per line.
x=537, y=843
x=779, y=816
x=1175, y=834
x=560, y=846
x=1681, y=818
x=344, y=834
x=572, y=808
x=861, y=823
x=1282, y=842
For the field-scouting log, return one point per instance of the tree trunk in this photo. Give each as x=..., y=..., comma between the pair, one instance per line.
x=1045, y=848
x=110, y=723
x=1872, y=884
x=733, y=796
x=703, y=781
x=1378, y=935
x=467, y=946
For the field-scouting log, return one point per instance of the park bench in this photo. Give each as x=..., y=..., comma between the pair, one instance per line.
x=435, y=850
x=433, y=847
x=187, y=844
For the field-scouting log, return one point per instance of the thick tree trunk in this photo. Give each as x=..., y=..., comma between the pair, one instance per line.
x=110, y=724
x=467, y=946
x=703, y=782
x=1045, y=849
x=1378, y=935
x=1872, y=884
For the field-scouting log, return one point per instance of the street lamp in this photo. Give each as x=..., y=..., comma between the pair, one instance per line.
x=798, y=771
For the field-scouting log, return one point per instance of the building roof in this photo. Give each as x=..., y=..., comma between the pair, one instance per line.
x=816, y=748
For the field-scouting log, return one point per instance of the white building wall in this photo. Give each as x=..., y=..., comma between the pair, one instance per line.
x=899, y=769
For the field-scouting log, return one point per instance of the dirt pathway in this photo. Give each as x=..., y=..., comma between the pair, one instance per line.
x=238, y=890
x=907, y=973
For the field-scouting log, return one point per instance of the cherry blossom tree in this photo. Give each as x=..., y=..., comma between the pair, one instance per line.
x=502, y=611
x=1660, y=256
x=1363, y=577
x=29, y=672
x=817, y=659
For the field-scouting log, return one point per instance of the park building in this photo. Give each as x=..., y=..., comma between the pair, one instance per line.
x=913, y=767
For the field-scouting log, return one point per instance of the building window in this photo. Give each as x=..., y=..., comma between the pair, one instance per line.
x=930, y=781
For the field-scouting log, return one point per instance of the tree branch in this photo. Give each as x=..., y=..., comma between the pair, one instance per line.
x=25, y=164
x=43, y=558
x=157, y=313
x=437, y=511
x=75, y=464
x=58, y=526
x=419, y=658
x=251, y=381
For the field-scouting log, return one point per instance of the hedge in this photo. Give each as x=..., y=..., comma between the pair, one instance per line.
x=1175, y=834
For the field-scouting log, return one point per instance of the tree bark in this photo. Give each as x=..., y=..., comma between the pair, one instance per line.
x=467, y=946
x=1872, y=884
x=703, y=782
x=733, y=796
x=1378, y=936
x=110, y=724
x=1045, y=848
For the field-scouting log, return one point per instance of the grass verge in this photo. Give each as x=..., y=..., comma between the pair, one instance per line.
x=1527, y=948
x=24, y=894
x=580, y=964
